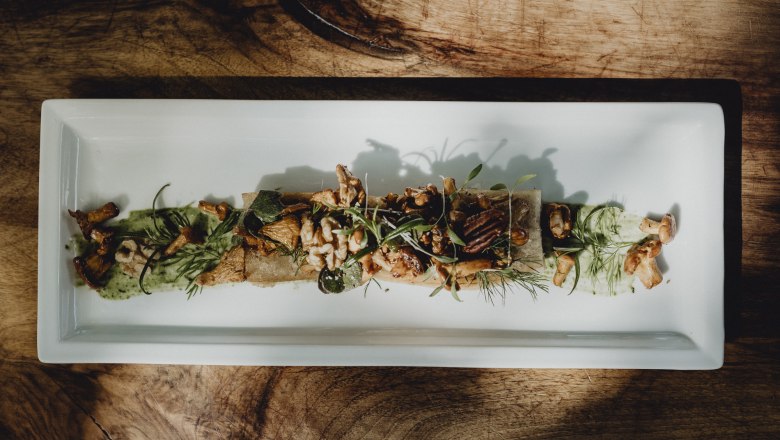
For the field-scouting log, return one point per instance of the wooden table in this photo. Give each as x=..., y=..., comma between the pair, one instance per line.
x=136, y=49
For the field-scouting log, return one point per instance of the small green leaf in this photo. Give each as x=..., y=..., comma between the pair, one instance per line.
x=445, y=259
x=576, y=273
x=423, y=228
x=354, y=258
x=526, y=178
x=498, y=186
x=429, y=273
x=567, y=250
x=454, y=237
x=435, y=291
x=454, y=291
x=474, y=173
x=267, y=205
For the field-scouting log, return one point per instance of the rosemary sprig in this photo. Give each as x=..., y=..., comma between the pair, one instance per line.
x=192, y=259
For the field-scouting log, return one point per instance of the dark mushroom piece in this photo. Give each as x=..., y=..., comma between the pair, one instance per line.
x=559, y=216
x=88, y=220
x=92, y=269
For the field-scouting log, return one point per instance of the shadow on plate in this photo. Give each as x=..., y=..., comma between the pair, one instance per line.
x=726, y=93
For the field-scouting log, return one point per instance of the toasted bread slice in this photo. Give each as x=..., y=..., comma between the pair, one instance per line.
x=268, y=270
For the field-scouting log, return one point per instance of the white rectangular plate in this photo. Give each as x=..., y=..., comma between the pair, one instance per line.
x=651, y=157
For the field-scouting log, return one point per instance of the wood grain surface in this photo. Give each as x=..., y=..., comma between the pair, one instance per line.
x=230, y=49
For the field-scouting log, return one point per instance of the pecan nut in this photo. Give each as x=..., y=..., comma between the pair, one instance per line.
x=481, y=230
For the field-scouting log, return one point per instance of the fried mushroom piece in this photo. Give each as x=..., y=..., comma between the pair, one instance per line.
x=666, y=229
x=640, y=261
x=565, y=263
x=285, y=231
x=186, y=236
x=90, y=219
x=220, y=210
x=230, y=269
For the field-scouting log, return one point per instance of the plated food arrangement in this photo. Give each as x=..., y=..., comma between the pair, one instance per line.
x=497, y=241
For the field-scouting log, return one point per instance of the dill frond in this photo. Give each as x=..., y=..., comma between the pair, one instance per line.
x=496, y=283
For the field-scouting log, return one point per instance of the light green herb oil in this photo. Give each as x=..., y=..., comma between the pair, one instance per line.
x=162, y=278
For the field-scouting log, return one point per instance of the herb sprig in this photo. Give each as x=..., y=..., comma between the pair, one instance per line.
x=597, y=233
x=192, y=259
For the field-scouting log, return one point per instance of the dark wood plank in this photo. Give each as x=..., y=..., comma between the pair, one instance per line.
x=226, y=49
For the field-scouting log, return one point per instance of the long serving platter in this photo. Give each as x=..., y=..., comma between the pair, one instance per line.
x=648, y=157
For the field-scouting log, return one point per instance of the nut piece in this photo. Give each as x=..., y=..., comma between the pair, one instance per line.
x=480, y=230
x=457, y=216
x=132, y=257
x=221, y=210
x=406, y=262
x=350, y=188
x=565, y=263
x=484, y=202
x=325, y=197
x=286, y=231
x=88, y=220
x=186, y=235
x=666, y=229
x=640, y=260
x=399, y=263
x=560, y=220
x=380, y=260
x=326, y=247
x=307, y=231
x=422, y=199
x=439, y=240
x=355, y=242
